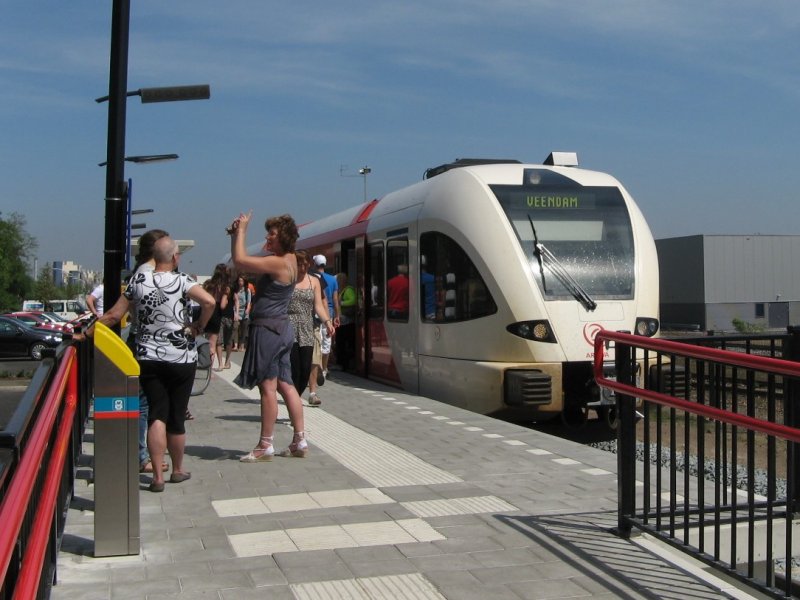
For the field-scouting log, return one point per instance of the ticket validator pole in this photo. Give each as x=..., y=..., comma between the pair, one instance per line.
x=116, y=446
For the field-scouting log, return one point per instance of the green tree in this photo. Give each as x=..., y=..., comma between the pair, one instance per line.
x=76, y=290
x=45, y=288
x=16, y=249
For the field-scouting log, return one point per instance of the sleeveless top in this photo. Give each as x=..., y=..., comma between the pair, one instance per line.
x=227, y=312
x=271, y=299
x=301, y=312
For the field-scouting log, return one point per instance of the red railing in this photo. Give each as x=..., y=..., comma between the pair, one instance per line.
x=764, y=364
x=61, y=399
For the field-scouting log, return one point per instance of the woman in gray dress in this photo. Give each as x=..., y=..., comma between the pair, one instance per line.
x=266, y=361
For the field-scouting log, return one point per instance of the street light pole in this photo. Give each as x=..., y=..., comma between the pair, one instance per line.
x=116, y=194
x=116, y=186
x=364, y=171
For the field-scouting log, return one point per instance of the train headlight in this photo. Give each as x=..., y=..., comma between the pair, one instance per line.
x=646, y=326
x=538, y=331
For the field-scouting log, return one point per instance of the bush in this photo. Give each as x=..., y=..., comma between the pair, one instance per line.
x=745, y=327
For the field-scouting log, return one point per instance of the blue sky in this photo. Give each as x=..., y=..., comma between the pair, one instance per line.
x=692, y=105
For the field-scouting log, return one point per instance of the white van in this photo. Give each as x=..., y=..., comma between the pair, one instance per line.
x=67, y=309
x=29, y=305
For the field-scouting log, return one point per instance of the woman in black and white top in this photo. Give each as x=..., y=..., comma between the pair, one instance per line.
x=166, y=351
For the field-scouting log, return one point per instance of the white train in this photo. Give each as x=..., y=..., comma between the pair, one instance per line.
x=510, y=271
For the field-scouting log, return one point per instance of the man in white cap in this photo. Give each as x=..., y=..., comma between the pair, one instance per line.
x=331, y=289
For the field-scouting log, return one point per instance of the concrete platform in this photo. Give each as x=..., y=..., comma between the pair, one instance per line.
x=400, y=497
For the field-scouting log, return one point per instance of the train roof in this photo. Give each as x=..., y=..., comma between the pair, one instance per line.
x=559, y=159
x=468, y=162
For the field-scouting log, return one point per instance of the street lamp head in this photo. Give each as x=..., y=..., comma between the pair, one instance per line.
x=175, y=93
x=168, y=94
x=147, y=158
x=150, y=158
x=364, y=171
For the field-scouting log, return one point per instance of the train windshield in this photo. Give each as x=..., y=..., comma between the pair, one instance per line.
x=578, y=239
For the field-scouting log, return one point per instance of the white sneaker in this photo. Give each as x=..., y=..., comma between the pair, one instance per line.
x=313, y=399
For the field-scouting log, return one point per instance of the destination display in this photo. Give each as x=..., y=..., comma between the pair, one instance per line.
x=561, y=198
x=572, y=201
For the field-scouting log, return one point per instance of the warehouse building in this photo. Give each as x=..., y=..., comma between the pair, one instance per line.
x=716, y=282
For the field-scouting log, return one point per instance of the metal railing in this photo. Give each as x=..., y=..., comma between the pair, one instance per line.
x=43, y=443
x=712, y=465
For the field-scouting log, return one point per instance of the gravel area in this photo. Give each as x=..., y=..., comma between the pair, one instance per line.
x=759, y=485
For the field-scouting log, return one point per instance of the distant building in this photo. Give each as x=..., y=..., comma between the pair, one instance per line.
x=707, y=281
x=66, y=272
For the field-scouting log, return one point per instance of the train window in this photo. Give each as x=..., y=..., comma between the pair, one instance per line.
x=586, y=232
x=397, y=285
x=376, y=281
x=451, y=288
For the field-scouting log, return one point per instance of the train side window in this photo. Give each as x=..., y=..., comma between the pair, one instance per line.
x=459, y=292
x=397, y=284
x=376, y=281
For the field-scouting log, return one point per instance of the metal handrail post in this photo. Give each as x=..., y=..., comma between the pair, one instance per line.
x=626, y=443
x=792, y=408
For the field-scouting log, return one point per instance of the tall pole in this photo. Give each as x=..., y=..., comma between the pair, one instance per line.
x=116, y=196
x=364, y=171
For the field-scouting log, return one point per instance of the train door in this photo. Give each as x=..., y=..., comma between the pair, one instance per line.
x=393, y=315
x=377, y=352
x=349, y=340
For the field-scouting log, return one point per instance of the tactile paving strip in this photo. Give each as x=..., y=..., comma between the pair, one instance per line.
x=378, y=462
x=390, y=587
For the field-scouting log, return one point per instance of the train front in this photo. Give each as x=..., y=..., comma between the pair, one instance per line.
x=594, y=263
x=567, y=253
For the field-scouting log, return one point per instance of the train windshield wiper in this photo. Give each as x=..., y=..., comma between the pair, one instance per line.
x=537, y=253
x=557, y=268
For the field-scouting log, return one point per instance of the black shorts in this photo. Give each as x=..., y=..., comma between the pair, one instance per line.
x=168, y=387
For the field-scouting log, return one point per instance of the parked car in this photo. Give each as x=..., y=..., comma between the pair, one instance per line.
x=36, y=318
x=18, y=340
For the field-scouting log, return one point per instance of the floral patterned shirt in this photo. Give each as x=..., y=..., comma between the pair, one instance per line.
x=161, y=302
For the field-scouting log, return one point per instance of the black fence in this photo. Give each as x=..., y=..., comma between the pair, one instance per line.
x=712, y=466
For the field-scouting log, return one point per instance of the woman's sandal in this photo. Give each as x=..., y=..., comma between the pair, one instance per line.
x=259, y=454
x=298, y=448
x=147, y=466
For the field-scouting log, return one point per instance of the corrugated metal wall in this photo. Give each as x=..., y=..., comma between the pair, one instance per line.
x=751, y=268
x=711, y=279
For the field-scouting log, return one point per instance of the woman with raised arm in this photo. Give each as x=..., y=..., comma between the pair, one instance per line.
x=266, y=361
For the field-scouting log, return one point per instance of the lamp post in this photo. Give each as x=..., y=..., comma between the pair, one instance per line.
x=364, y=171
x=116, y=186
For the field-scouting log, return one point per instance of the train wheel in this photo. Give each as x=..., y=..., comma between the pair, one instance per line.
x=574, y=416
x=609, y=415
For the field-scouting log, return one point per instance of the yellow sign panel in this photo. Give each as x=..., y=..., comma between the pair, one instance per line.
x=117, y=351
